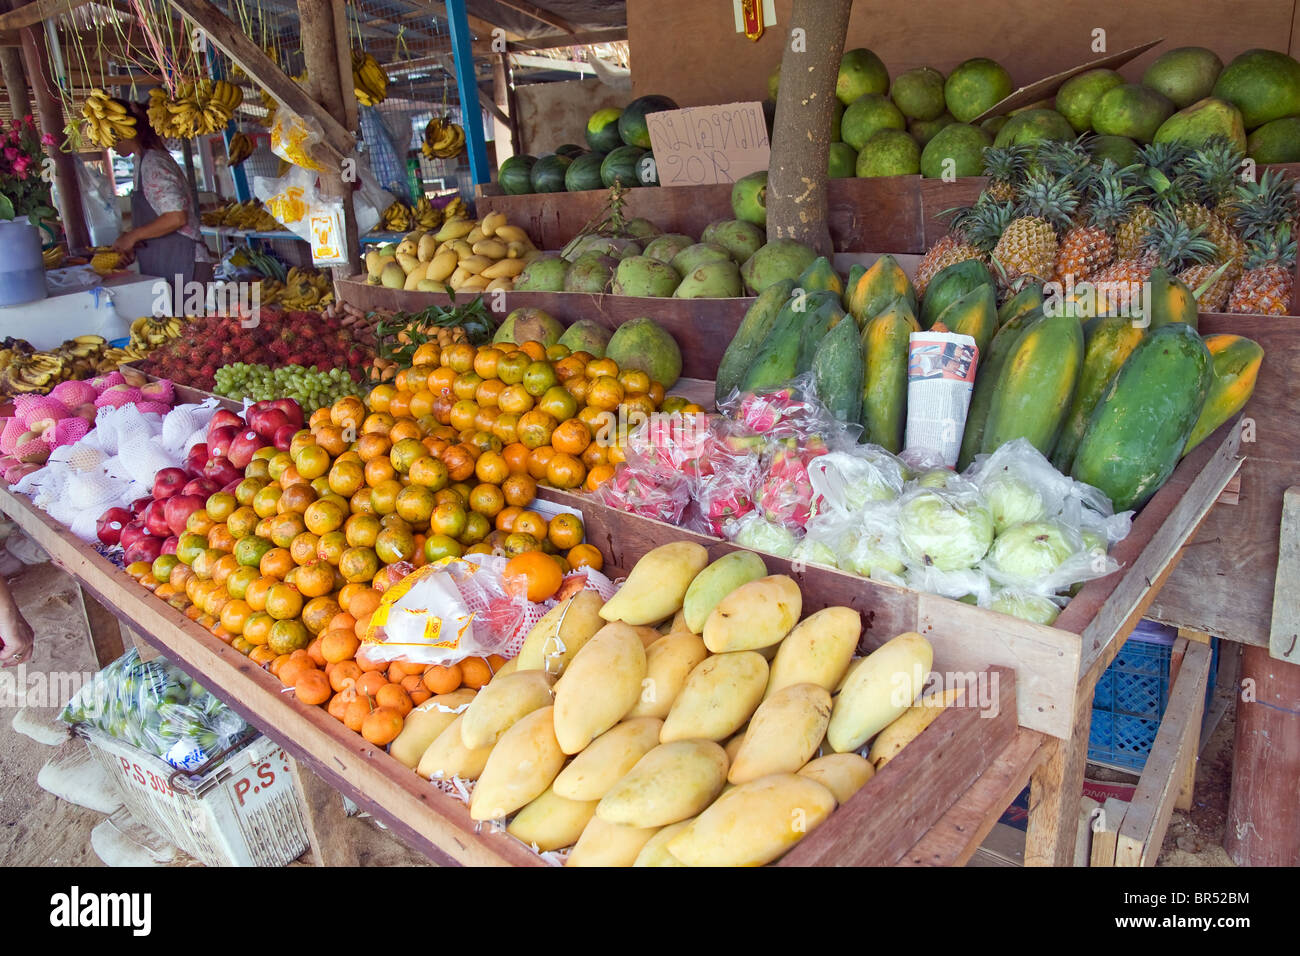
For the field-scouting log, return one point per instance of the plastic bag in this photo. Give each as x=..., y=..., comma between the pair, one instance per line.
x=294, y=140
x=384, y=155
x=99, y=204
x=948, y=528
x=792, y=411
x=290, y=198
x=157, y=708
x=968, y=585
x=850, y=481
x=650, y=494
x=1026, y=605
x=755, y=532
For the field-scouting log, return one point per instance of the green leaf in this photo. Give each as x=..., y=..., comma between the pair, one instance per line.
x=6, y=207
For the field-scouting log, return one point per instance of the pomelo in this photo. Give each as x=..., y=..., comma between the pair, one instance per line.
x=890, y=152
x=1131, y=110
x=1079, y=94
x=1204, y=120
x=960, y=143
x=918, y=93
x=1034, y=126
x=867, y=116
x=1185, y=74
x=842, y=162
x=974, y=87
x=1276, y=142
x=861, y=72
x=1263, y=84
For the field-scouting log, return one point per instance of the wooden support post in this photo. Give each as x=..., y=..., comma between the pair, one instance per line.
x=102, y=628
x=1056, y=788
x=1264, y=808
x=324, y=817
x=320, y=54
x=506, y=134
x=11, y=60
x=1105, y=832
x=49, y=117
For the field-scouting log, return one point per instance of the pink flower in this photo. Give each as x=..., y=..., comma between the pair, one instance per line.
x=47, y=139
x=15, y=126
x=20, y=166
x=14, y=137
x=11, y=153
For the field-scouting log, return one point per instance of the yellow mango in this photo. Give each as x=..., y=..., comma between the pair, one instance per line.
x=784, y=733
x=500, y=704
x=448, y=756
x=908, y=727
x=441, y=266
x=607, y=758
x=552, y=822
x=608, y=844
x=560, y=634
x=732, y=746
x=841, y=774
x=717, y=581
x=504, y=269
x=423, y=725
x=520, y=767
x=668, y=662
x=754, y=823
x=475, y=263
x=492, y=248
x=720, y=695
x=489, y=224
x=673, y=782
x=756, y=614
x=508, y=233
x=878, y=689
x=600, y=685
x=655, y=588
x=818, y=651
x=655, y=852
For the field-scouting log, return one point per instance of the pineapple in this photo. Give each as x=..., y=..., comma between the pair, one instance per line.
x=1088, y=245
x=1160, y=159
x=1171, y=244
x=1027, y=247
x=1265, y=287
x=1005, y=168
x=1204, y=195
x=972, y=233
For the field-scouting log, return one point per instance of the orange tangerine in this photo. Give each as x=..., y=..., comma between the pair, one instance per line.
x=475, y=671
x=442, y=679
x=585, y=556
x=538, y=460
x=598, y=475
x=283, y=602
x=519, y=489
x=565, y=471
x=383, y=725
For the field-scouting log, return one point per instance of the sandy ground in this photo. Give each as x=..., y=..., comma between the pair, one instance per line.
x=38, y=829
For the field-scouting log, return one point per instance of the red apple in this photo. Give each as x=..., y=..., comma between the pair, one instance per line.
x=110, y=524
x=155, y=518
x=197, y=457
x=283, y=437
x=224, y=418
x=202, y=486
x=169, y=546
x=220, y=470
x=138, y=506
x=168, y=482
x=242, y=448
x=132, y=533
x=219, y=439
x=265, y=421
x=231, y=486
x=144, y=549
x=178, y=508
x=292, y=410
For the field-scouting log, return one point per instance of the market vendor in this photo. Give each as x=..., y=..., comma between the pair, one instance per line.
x=15, y=633
x=164, y=237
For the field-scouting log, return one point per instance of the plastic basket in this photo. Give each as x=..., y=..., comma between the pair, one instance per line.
x=238, y=809
x=1131, y=698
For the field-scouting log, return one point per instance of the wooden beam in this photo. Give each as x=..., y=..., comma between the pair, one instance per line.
x=488, y=104
x=11, y=62
x=554, y=41
x=343, y=51
x=36, y=12
x=102, y=629
x=1284, y=627
x=324, y=817
x=1105, y=832
x=240, y=47
x=537, y=13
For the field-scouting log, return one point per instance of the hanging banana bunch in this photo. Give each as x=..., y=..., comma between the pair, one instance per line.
x=442, y=140
x=369, y=79
x=107, y=120
x=199, y=108
x=239, y=149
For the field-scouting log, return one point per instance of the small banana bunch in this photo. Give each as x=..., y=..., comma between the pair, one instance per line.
x=425, y=215
x=369, y=80
x=442, y=140
x=199, y=108
x=53, y=257
x=107, y=121
x=105, y=260
x=239, y=149
x=25, y=371
x=149, y=332
x=242, y=215
x=306, y=291
x=396, y=218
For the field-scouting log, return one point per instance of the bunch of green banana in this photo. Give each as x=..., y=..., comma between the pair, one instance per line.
x=107, y=120
x=238, y=149
x=442, y=140
x=369, y=80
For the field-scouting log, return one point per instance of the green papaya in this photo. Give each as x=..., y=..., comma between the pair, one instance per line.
x=1108, y=342
x=837, y=370
x=820, y=276
x=986, y=382
x=1036, y=385
x=877, y=287
x=1235, y=362
x=749, y=337
x=856, y=272
x=817, y=323
x=774, y=365
x=1169, y=299
x=951, y=284
x=1141, y=425
x=1026, y=300
x=974, y=314
x=884, y=382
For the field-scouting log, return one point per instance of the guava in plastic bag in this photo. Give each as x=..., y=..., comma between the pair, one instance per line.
x=1019, y=484
x=950, y=529
x=753, y=531
x=968, y=585
x=849, y=481
x=1025, y=605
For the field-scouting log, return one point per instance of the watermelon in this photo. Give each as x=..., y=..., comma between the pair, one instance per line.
x=516, y=175
x=548, y=173
x=584, y=173
x=569, y=149
x=602, y=130
x=647, y=170
x=621, y=165
x=631, y=125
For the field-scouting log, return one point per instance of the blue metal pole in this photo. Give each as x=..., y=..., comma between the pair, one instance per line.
x=471, y=114
x=242, y=192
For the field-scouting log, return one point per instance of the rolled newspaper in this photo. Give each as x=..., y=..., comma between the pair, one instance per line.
x=940, y=378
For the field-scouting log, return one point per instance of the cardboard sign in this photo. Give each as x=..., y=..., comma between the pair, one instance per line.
x=709, y=144
x=327, y=238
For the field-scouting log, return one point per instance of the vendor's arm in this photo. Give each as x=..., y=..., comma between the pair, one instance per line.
x=164, y=225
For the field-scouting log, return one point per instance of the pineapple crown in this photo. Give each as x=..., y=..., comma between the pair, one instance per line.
x=1065, y=159
x=1274, y=248
x=1112, y=192
x=1006, y=164
x=983, y=223
x=1047, y=197
x=1260, y=206
x=1165, y=157
x=1175, y=244
x=1213, y=171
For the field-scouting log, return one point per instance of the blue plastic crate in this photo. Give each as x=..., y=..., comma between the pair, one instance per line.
x=1132, y=695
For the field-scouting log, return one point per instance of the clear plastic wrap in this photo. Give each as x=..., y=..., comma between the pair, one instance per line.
x=157, y=708
x=663, y=497
x=755, y=532
x=294, y=139
x=1026, y=605
x=947, y=528
x=848, y=481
